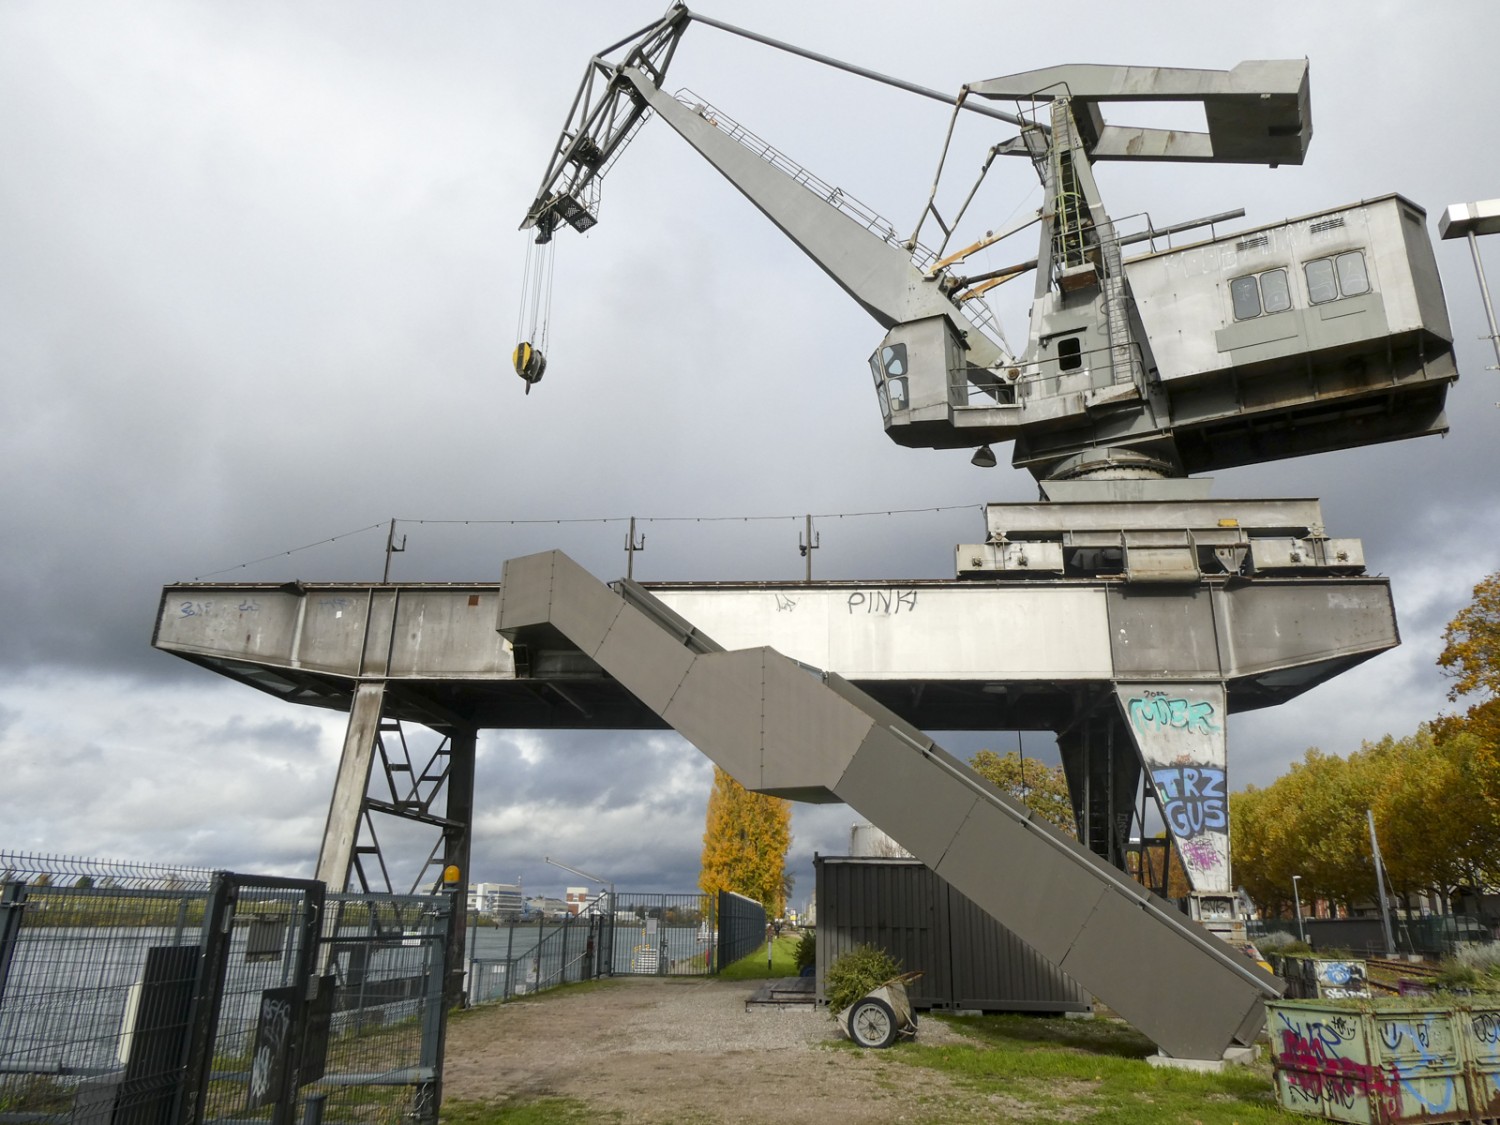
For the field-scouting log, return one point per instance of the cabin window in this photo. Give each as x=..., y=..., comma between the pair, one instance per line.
x=1070, y=353
x=1353, y=279
x=893, y=359
x=1321, y=285
x=1246, y=296
x=1267, y=292
x=1343, y=275
x=888, y=365
x=1275, y=293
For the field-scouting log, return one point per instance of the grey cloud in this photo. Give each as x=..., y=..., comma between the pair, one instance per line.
x=259, y=288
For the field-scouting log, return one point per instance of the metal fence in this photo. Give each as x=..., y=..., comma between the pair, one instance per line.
x=663, y=934
x=1435, y=935
x=147, y=995
x=510, y=961
x=645, y=934
x=742, y=926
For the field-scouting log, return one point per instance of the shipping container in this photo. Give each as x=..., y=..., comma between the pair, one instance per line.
x=968, y=961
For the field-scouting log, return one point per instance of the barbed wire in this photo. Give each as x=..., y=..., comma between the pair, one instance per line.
x=583, y=520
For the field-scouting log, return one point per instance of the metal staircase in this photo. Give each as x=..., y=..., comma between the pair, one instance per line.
x=780, y=727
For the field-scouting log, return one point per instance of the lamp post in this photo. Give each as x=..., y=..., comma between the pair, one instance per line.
x=1297, y=902
x=1466, y=220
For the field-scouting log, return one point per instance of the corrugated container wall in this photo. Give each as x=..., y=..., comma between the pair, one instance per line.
x=967, y=959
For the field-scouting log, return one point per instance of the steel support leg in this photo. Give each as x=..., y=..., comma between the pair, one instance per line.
x=340, y=834
x=456, y=838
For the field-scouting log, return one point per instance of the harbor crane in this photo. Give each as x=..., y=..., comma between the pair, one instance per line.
x=1322, y=332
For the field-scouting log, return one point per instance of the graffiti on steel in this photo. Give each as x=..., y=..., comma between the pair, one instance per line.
x=1156, y=711
x=1394, y=1067
x=1192, y=798
x=206, y=608
x=882, y=603
x=1319, y=1064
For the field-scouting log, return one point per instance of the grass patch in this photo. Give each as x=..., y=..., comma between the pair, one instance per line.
x=753, y=966
x=1082, y=1070
x=543, y=1111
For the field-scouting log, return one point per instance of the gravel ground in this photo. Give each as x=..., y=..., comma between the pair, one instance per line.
x=651, y=1050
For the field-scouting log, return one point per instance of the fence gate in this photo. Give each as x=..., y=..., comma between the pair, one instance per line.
x=663, y=934
x=134, y=995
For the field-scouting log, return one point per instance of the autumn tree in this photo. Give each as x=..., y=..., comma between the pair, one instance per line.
x=745, y=840
x=1471, y=656
x=1471, y=644
x=1040, y=787
x=1437, y=827
x=1311, y=823
x=1435, y=794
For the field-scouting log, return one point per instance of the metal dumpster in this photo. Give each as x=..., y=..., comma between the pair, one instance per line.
x=1387, y=1061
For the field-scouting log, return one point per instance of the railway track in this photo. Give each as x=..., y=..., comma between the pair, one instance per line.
x=1403, y=968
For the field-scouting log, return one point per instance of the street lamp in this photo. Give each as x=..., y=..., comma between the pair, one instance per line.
x=1297, y=902
x=1466, y=220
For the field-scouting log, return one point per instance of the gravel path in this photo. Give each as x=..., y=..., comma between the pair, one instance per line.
x=685, y=1049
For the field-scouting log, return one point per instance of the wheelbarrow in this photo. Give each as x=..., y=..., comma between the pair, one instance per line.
x=882, y=1015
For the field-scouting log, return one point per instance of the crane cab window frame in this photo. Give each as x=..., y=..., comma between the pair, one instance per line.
x=890, y=367
x=1069, y=353
x=1260, y=294
x=1336, y=277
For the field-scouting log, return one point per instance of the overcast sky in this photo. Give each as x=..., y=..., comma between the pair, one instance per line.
x=259, y=285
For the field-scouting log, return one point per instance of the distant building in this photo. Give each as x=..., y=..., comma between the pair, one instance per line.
x=546, y=905
x=577, y=899
x=495, y=900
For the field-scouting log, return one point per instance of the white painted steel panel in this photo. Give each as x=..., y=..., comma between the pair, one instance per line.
x=217, y=621
x=879, y=631
x=1191, y=285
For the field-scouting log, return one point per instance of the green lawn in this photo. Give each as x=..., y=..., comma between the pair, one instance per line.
x=753, y=967
x=1033, y=1069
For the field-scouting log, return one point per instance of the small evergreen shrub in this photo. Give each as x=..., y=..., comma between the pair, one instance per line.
x=855, y=973
x=807, y=952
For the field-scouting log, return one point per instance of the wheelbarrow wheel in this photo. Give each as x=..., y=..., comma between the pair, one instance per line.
x=872, y=1023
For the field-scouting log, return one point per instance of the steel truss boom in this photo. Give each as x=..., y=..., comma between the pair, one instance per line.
x=600, y=126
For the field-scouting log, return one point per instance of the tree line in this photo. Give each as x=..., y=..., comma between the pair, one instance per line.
x=1435, y=795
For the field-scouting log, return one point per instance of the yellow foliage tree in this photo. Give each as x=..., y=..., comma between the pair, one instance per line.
x=1471, y=644
x=1040, y=787
x=1471, y=656
x=745, y=840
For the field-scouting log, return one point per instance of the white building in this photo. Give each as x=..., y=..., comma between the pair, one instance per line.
x=495, y=900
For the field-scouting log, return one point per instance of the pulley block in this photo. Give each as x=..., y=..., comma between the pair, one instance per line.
x=529, y=363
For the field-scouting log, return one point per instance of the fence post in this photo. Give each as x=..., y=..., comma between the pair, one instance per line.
x=435, y=1011
x=218, y=921
x=719, y=930
x=305, y=977
x=12, y=904
x=510, y=964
